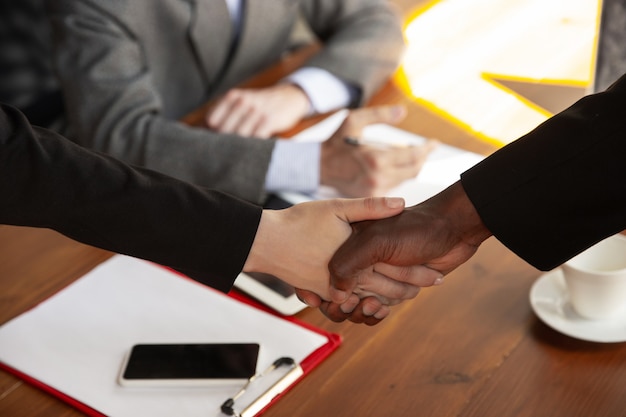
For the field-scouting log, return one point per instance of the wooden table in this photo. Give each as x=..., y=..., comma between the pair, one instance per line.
x=472, y=347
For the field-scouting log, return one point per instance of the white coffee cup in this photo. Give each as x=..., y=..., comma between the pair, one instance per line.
x=596, y=279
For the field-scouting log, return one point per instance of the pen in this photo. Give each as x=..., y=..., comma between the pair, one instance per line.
x=350, y=140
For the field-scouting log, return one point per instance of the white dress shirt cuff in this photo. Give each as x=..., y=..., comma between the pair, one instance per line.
x=295, y=166
x=325, y=91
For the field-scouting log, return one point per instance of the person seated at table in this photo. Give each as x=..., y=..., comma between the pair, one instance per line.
x=130, y=70
x=48, y=181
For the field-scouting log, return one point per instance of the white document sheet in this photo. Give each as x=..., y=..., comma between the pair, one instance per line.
x=76, y=340
x=443, y=167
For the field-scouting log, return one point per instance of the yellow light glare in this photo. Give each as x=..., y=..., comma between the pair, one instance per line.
x=456, y=48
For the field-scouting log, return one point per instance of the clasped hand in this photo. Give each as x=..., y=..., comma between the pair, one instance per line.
x=417, y=246
x=353, y=258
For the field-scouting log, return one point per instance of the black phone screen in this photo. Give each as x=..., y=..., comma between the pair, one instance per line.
x=192, y=361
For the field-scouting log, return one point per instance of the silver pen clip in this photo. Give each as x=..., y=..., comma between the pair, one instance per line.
x=293, y=372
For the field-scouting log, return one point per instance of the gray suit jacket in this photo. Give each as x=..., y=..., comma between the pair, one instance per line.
x=130, y=69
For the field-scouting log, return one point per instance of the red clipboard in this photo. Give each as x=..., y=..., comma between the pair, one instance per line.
x=308, y=364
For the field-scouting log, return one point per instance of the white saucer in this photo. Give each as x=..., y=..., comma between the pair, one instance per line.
x=549, y=300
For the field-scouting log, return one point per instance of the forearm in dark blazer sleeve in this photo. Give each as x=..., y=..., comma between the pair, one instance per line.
x=560, y=188
x=363, y=41
x=47, y=181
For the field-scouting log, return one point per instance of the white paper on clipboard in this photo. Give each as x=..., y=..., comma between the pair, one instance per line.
x=75, y=341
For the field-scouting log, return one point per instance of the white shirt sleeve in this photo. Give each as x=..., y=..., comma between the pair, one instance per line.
x=325, y=91
x=295, y=166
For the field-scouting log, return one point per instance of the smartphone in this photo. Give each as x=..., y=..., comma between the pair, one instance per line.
x=189, y=364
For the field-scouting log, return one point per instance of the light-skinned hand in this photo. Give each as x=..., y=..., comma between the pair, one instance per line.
x=368, y=306
x=260, y=112
x=361, y=171
x=296, y=244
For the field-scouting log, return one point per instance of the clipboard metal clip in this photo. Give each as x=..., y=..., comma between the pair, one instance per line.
x=293, y=372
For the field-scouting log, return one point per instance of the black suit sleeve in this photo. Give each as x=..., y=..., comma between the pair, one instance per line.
x=47, y=181
x=562, y=187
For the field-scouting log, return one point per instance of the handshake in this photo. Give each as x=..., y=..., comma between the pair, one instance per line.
x=354, y=258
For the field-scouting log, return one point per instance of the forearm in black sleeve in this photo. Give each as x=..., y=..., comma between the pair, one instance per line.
x=560, y=188
x=47, y=181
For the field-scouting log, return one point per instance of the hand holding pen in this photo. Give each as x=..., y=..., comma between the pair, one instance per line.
x=359, y=168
